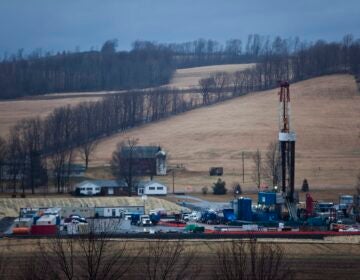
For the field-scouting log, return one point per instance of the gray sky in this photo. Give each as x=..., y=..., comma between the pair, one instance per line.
x=64, y=24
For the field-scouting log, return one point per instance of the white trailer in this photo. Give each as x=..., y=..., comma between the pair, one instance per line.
x=46, y=220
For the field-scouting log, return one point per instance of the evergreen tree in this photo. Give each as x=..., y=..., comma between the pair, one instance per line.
x=305, y=186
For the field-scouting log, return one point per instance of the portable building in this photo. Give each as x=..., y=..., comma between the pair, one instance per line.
x=84, y=212
x=118, y=211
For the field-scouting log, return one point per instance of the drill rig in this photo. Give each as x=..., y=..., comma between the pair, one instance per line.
x=287, y=140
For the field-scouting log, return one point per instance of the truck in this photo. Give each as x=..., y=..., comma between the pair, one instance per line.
x=144, y=221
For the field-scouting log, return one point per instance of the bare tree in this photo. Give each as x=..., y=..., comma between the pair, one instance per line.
x=221, y=80
x=88, y=256
x=206, y=86
x=249, y=260
x=3, y=151
x=357, y=184
x=169, y=260
x=34, y=267
x=272, y=163
x=61, y=161
x=257, y=172
x=16, y=159
x=122, y=162
x=30, y=134
x=3, y=264
x=86, y=150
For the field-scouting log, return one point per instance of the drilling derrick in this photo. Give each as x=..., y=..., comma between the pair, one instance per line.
x=287, y=140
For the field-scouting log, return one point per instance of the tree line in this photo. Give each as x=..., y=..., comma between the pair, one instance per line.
x=151, y=64
x=34, y=144
x=106, y=69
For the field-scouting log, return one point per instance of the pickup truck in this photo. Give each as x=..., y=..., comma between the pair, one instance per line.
x=144, y=221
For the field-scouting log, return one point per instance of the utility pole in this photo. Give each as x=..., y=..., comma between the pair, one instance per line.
x=173, y=178
x=243, y=167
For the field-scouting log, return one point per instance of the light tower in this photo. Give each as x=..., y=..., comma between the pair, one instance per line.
x=287, y=140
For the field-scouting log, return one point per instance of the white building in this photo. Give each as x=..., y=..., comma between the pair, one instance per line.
x=101, y=187
x=151, y=188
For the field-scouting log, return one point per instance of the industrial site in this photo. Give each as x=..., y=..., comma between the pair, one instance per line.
x=278, y=212
x=182, y=140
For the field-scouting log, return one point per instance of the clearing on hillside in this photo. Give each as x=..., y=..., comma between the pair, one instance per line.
x=189, y=77
x=15, y=110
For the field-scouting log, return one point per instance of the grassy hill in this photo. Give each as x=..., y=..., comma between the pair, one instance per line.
x=325, y=116
x=10, y=206
x=42, y=105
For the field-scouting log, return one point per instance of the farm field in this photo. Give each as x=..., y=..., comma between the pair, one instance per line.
x=15, y=110
x=309, y=259
x=189, y=77
x=325, y=114
x=42, y=105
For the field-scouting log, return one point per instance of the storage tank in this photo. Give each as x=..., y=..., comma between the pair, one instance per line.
x=244, y=209
x=21, y=230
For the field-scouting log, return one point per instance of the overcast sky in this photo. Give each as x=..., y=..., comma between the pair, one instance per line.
x=66, y=24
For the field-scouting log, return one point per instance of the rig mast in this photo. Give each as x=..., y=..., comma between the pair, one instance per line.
x=287, y=140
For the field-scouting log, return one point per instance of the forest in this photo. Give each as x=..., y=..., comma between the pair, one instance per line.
x=37, y=74
x=35, y=145
x=150, y=64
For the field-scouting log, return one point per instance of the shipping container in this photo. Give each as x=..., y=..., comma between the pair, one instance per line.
x=43, y=229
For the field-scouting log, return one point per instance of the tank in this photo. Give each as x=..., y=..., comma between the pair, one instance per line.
x=244, y=209
x=21, y=230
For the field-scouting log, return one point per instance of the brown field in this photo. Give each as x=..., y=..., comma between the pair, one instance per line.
x=325, y=116
x=13, y=111
x=309, y=259
x=189, y=77
x=42, y=105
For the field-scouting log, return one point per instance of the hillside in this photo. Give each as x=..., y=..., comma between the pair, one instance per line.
x=10, y=206
x=325, y=113
x=42, y=105
x=13, y=111
x=189, y=77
